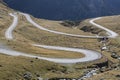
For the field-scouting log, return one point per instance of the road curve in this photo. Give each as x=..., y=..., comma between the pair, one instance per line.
x=89, y=54
x=111, y=33
x=93, y=55
x=8, y=33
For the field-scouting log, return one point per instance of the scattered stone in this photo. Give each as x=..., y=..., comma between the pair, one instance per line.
x=36, y=58
x=37, y=74
x=27, y=76
x=39, y=78
x=114, y=55
x=118, y=75
x=31, y=61
x=1, y=66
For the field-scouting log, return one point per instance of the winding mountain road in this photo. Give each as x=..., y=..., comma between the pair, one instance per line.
x=112, y=34
x=89, y=54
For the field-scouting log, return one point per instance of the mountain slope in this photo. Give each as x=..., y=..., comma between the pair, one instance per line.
x=67, y=9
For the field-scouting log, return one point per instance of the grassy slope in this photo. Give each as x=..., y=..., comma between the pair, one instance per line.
x=26, y=33
x=5, y=19
x=44, y=37
x=111, y=22
x=14, y=67
x=56, y=25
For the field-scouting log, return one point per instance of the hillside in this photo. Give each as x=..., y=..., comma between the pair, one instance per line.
x=67, y=47
x=111, y=22
x=23, y=38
